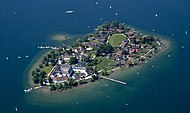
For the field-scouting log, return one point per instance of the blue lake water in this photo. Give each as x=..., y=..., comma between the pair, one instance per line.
x=163, y=89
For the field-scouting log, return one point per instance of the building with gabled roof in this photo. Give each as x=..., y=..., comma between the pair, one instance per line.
x=66, y=70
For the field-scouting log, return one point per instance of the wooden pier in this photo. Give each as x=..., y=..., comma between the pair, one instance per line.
x=114, y=80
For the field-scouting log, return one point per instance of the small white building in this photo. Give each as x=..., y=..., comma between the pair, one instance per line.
x=80, y=69
x=66, y=58
x=59, y=62
x=89, y=49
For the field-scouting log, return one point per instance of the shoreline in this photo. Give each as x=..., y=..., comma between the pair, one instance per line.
x=44, y=96
x=37, y=61
x=34, y=62
x=117, y=74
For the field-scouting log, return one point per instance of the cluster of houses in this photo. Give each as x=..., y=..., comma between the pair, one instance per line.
x=124, y=54
x=128, y=47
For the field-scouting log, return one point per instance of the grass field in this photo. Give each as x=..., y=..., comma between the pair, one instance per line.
x=116, y=39
x=104, y=63
x=46, y=69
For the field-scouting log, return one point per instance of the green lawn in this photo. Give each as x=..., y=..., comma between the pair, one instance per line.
x=116, y=39
x=104, y=63
x=46, y=69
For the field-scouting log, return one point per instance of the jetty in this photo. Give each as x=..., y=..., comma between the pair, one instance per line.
x=31, y=89
x=114, y=80
x=47, y=47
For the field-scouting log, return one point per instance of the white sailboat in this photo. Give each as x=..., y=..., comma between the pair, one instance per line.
x=16, y=109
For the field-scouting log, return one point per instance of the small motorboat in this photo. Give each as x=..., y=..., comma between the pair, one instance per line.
x=69, y=12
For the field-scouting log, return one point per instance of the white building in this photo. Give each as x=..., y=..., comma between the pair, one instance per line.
x=66, y=70
x=66, y=58
x=80, y=69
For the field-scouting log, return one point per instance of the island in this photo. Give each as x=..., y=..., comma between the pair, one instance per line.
x=112, y=46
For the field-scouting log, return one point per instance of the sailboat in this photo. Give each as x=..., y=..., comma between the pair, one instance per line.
x=16, y=109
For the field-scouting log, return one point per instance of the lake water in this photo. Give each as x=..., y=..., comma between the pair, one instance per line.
x=164, y=88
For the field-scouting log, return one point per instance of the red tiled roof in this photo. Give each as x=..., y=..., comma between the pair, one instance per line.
x=60, y=78
x=130, y=33
x=132, y=36
x=119, y=53
x=123, y=43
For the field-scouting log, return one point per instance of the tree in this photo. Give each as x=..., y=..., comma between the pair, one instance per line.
x=106, y=24
x=66, y=85
x=34, y=72
x=94, y=62
x=63, y=62
x=71, y=82
x=50, y=80
x=95, y=71
x=42, y=74
x=49, y=56
x=60, y=86
x=53, y=63
x=75, y=83
x=105, y=49
x=69, y=52
x=73, y=60
x=121, y=27
x=80, y=82
x=35, y=79
x=41, y=82
x=46, y=63
x=91, y=79
x=37, y=70
x=45, y=58
x=104, y=72
x=115, y=24
x=40, y=66
x=95, y=77
x=52, y=88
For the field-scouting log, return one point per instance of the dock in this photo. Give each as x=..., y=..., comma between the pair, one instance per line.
x=31, y=89
x=114, y=80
